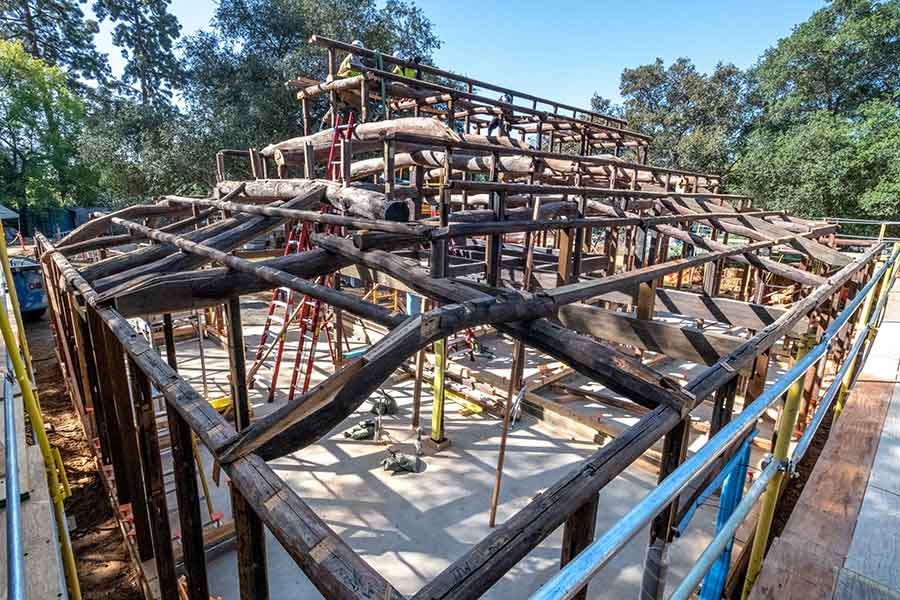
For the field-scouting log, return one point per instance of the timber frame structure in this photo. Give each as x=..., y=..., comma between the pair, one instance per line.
x=562, y=243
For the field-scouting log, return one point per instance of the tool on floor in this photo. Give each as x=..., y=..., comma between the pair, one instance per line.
x=364, y=430
x=397, y=462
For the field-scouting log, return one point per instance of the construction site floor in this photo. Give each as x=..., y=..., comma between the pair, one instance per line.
x=411, y=527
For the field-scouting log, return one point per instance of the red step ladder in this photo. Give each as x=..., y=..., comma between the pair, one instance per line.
x=309, y=313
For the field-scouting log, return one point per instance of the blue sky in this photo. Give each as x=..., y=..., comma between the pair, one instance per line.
x=567, y=50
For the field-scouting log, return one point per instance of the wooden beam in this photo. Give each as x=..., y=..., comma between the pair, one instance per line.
x=333, y=568
x=683, y=343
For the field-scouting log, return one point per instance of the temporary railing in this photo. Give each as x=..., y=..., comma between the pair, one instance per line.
x=578, y=573
x=57, y=483
x=15, y=567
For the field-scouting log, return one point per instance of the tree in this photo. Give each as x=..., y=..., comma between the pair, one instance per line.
x=140, y=151
x=826, y=137
x=844, y=55
x=696, y=119
x=40, y=164
x=57, y=32
x=146, y=32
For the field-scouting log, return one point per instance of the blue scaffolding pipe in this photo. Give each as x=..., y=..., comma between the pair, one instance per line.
x=729, y=501
x=578, y=573
x=713, y=486
x=725, y=536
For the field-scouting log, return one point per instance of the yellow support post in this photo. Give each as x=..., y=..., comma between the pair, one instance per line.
x=865, y=313
x=437, y=410
x=14, y=297
x=786, y=426
x=57, y=484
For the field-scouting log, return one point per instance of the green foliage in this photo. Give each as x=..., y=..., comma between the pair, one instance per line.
x=827, y=134
x=845, y=55
x=57, y=32
x=40, y=121
x=146, y=32
x=696, y=119
x=138, y=151
x=812, y=128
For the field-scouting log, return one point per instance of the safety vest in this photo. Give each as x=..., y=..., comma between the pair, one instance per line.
x=346, y=69
x=405, y=71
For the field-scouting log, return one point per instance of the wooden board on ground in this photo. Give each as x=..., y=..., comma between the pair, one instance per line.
x=824, y=518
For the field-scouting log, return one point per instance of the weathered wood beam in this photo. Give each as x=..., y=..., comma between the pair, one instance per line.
x=355, y=199
x=705, y=308
x=332, y=296
x=619, y=372
x=683, y=343
x=99, y=225
x=411, y=229
x=189, y=290
x=243, y=229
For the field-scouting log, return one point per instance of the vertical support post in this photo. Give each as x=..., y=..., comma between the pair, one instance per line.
x=767, y=509
x=653, y=584
x=414, y=307
x=186, y=491
x=248, y=527
x=106, y=397
x=151, y=463
x=578, y=533
x=439, y=271
x=128, y=440
x=564, y=239
x=389, y=168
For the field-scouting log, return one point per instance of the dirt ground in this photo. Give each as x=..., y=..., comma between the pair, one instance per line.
x=104, y=568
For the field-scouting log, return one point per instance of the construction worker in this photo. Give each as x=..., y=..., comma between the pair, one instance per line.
x=352, y=65
x=502, y=120
x=348, y=100
x=411, y=72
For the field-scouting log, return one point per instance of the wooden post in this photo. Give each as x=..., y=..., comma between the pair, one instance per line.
x=248, y=528
x=578, y=533
x=186, y=490
x=128, y=440
x=675, y=446
x=106, y=396
x=155, y=487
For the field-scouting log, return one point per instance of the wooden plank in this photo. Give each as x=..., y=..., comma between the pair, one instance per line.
x=706, y=308
x=43, y=567
x=824, y=519
x=683, y=343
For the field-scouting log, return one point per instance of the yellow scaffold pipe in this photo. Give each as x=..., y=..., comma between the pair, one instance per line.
x=56, y=480
x=14, y=297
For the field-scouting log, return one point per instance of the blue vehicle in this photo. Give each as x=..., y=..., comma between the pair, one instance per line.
x=29, y=284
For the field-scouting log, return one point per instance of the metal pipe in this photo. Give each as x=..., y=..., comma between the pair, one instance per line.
x=718, y=544
x=836, y=384
x=15, y=568
x=566, y=583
